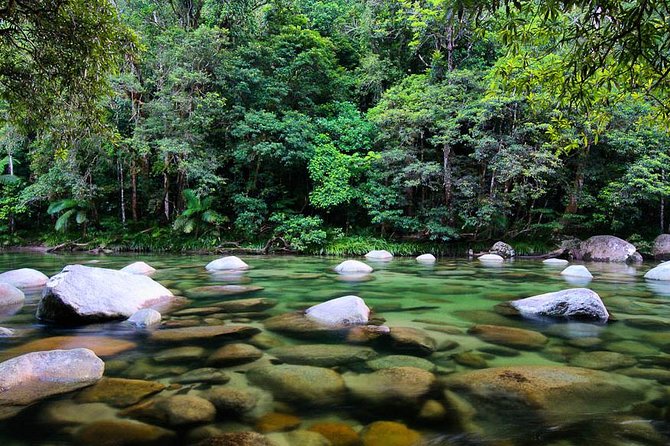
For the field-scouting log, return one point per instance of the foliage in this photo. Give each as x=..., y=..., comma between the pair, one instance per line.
x=301, y=233
x=198, y=217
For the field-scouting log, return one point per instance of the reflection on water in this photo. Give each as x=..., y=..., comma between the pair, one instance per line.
x=433, y=380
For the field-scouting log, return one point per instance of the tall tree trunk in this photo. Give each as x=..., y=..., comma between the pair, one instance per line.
x=447, y=178
x=12, y=223
x=662, y=210
x=133, y=184
x=122, y=197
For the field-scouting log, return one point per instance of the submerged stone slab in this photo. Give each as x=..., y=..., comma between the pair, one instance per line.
x=395, y=386
x=24, y=278
x=509, y=336
x=300, y=383
x=206, y=332
x=576, y=303
x=119, y=392
x=82, y=294
x=323, y=355
x=100, y=345
x=212, y=291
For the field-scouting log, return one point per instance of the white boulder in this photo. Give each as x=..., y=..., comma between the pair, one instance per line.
x=576, y=303
x=577, y=271
x=24, y=278
x=82, y=294
x=379, y=255
x=426, y=258
x=661, y=272
x=139, y=268
x=146, y=317
x=230, y=263
x=10, y=295
x=555, y=262
x=490, y=258
x=353, y=267
x=346, y=310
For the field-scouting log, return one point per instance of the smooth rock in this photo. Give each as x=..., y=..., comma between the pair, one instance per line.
x=230, y=263
x=237, y=439
x=660, y=272
x=177, y=410
x=86, y=294
x=426, y=258
x=395, y=387
x=353, y=267
x=7, y=332
x=343, y=311
x=432, y=411
x=234, y=354
x=300, y=383
x=35, y=376
x=24, y=278
x=68, y=413
x=247, y=305
x=119, y=392
x=180, y=354
x=213, y=291
x=277, y=422
x=555, y=262
x=100, y=345
x=205, y=375
x=491, y=258
x=322, y=355
x=512, y=396
x=232, y=400
x=10, y=295
x=605, y=248
x=138, y=268
x=144, y=318
x=503, y=250
x=602, y=360
x=576, y=303
x=471, y=359
x=661, y=248
x=412, y=340
x=298, y=437
x=392, y=361
x=577, y=271
x=509, y=336
x=339, y=434
x=202, y=333
x=124, y=433
x=389, y=433
x=379, y=255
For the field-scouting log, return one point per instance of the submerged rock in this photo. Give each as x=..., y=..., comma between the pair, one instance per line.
x=602, y=360
x=379, y=255
x=232, y=400
x=277, y=422
x=10, y=295
x=100, y=345
x=426, y=258
x=205, y=375
x=35, y=376
x=24, y=278
x=491, y=258
x=343, y=311
x=124, y=433
x=660, y=272
x=412, y=340
x=606, y=248
x=661, y=248
x=138, y=268
x=577, y=271
x=389, y=433
x=396, y=386
x=80, y=294
x=300, y=383
x=119, y=392
x=230, y=263
x=237, y=439
x=353, y=267
x=339, y=434
x=503, y=250
x=246, y=305
x=234, y=354
x=322, y=355
x=576, y=303
x=511, y=337
x=392, y=361
x=146, y=317
x=202, y=333
x=213, y=291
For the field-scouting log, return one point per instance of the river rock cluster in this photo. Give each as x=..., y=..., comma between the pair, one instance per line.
x=233, y=368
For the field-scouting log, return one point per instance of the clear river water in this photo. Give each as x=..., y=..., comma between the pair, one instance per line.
x=435, y=382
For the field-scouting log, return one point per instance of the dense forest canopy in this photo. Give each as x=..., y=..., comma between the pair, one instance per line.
x=310, y=122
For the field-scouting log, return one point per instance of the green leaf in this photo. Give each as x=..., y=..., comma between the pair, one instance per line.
x=81, y=217
x=63, y=220
x=61, y=205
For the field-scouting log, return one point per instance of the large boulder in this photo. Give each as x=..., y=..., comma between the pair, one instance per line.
x=576, y=303
x=661, y=272
x=579, y=271
x=10, y=295
x=379, y=255
x=661, y=248
x=81, y=294
x=35, y=376
x=503, y=250
x=343, y=311
x=353, y=267
x=426, y=258
x=606, y=248
x=24, y=278
x=230, y=263
x=490, y=258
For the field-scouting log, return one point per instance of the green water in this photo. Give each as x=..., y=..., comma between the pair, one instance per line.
x=444, y=300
